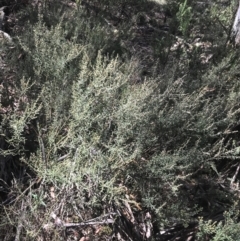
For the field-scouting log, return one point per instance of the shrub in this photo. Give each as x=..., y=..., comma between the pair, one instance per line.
x=92, y=139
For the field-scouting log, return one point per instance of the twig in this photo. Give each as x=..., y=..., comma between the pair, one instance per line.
x=107, y=221
x=235, y=175
x=129, y=211
x=59, y=222
x=63, y=157
x=42, y=148
x=133, y=220
x=224, y=28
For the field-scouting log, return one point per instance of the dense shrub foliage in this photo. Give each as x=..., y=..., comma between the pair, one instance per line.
x=120, y=122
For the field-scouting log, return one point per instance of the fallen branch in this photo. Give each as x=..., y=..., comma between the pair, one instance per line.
x=107, y=221
x=58, y=222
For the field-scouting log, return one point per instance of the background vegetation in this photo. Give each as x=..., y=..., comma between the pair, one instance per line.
x=119, y=121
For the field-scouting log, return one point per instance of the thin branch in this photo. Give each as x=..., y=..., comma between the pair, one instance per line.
x=102, y=220
x=107, y=221
x=63, y=157
x=235, y=175
x=224, y=28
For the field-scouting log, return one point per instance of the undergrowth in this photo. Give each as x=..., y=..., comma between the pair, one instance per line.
x=85, y=134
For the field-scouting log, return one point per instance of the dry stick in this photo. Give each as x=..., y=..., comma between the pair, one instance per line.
x=42, y=148
x=59, y=222
x=107, y=221
x=63, y=157
x=235, y=175
x=130, y=211
x=133, y=220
